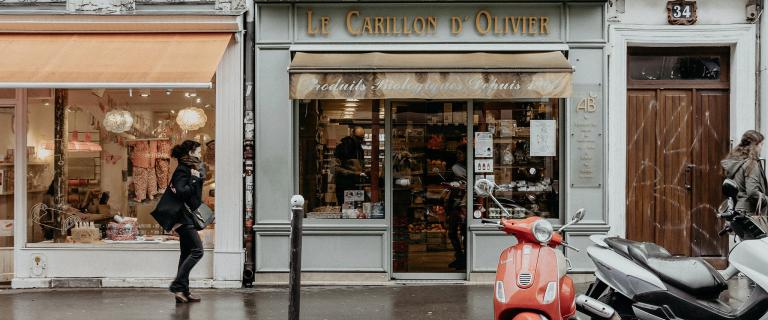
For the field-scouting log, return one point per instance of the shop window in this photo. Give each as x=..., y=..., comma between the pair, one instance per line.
x=341, y=157
x=517, y=146
x=99, y=160
x=7, y=147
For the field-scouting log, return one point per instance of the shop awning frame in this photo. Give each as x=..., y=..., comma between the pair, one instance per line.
x=74, y=61
x=306, y=62
x=474, y=75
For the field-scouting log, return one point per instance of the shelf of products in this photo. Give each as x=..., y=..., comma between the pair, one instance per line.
x=526, y=175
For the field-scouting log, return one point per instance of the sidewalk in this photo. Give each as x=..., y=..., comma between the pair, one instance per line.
x=401, y=302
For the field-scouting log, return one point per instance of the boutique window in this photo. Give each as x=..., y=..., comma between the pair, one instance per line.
x=99, y=160
x=341, y=158
x=517, y=146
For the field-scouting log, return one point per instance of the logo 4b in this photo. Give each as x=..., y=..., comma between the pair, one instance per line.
x=588, y=104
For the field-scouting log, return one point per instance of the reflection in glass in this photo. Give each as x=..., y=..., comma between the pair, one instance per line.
x=429, y=146
x=674, y=67
x=517, y=145
x=99, y=160
x=341, y=156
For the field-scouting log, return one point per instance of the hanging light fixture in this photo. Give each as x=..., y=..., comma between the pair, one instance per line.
x=118, y=121
x=191, y=118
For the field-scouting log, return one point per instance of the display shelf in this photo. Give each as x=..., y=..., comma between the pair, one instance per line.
x=11, y=164
x=28, y=191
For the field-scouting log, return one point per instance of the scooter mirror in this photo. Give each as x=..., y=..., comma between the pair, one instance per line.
x=579, y=215
x=483, y=188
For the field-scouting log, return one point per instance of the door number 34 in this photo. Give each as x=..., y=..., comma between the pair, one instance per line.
x=681, y=11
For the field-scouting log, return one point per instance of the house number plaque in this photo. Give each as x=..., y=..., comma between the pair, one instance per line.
x=681, y=12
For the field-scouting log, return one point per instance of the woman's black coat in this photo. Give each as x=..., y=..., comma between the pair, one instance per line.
x=189, y=189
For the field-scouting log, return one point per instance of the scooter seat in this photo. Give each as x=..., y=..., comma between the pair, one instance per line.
x=692, y=275
x=622, y=246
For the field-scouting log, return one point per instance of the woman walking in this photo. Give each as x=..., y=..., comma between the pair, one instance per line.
x=743, y=166
x=187, y=185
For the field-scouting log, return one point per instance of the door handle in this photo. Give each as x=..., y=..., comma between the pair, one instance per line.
x=689, y=176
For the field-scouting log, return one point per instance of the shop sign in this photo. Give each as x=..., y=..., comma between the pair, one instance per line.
x=586, y=140
x=359, y=23
x=432, y=22
x=430, y=85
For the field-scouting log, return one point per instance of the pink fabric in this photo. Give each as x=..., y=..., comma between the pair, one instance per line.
x=163, y=173
x=164, y=149
x=140, y=156
x=145, y=183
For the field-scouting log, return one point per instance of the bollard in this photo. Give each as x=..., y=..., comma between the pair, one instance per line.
x=294, y=277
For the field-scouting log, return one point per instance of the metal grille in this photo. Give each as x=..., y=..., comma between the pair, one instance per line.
x=524, y=279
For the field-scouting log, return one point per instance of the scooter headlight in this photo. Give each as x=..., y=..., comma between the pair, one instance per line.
x=542, y=231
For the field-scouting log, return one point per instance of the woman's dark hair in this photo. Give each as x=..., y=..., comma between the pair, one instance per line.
x=184, y=148
x=747, y=148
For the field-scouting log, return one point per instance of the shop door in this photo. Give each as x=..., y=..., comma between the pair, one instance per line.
x=675, y=141
x=429, y=166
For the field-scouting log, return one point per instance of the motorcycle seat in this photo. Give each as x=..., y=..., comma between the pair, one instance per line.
x=622, y=246
x=692, y=275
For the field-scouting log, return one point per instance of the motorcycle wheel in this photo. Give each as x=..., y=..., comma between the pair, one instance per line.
x=621, y=304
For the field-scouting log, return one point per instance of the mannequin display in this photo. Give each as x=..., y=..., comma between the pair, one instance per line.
x=163, y=165
x=144, y=176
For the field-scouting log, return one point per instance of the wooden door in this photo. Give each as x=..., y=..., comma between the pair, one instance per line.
x=711, y=144
x=675, y=141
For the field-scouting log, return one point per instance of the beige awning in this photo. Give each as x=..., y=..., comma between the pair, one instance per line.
x=57, y=23
x=162, y=60
x=379, y=75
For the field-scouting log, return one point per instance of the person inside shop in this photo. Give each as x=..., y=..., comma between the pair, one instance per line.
x=456, y=209
x=187, y=184
x=744, y=167
x=349, y=155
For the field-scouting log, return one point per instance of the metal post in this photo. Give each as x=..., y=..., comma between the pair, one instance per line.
x=294, y=284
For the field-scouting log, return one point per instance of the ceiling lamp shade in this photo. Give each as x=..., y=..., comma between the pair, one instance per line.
x=191, y=118
x=118, y=121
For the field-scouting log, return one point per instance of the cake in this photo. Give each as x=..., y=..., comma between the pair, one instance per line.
x=85, y=232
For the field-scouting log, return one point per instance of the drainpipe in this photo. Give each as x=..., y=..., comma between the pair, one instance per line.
x=762, y=66
x=754, y=15
x=248, y=146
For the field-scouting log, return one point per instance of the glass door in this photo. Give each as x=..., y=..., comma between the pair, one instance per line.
x=429, y=190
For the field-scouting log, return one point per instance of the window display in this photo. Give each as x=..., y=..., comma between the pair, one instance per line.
x=341, y=156
x=7, y=147
x=100, y=159
x=517, y=147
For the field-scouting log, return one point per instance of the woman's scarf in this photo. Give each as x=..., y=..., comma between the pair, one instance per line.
x=190, y=161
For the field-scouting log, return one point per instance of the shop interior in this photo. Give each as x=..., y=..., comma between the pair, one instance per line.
x=99, y=160
x=343, y=148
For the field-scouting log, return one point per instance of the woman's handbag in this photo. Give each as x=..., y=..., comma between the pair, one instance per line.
x=202, y=216
x=167, y=211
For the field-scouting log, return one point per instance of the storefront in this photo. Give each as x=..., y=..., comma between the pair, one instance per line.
x=395, y=110
x=91, y=107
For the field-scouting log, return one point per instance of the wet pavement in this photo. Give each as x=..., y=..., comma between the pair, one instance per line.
x=400, y=302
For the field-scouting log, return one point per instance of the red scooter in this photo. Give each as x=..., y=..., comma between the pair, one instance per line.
x=531, y=278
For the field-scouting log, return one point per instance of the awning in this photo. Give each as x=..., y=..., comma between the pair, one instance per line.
x=57, y=23
x=379, y=75
x=156, y=60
